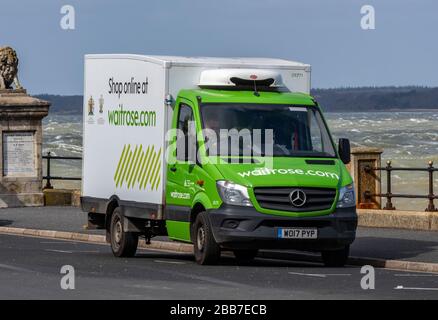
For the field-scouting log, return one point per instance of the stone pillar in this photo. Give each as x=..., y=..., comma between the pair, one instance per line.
x=21, y=148
x=366, y=180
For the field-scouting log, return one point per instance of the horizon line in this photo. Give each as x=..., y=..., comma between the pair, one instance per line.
x=321, y=88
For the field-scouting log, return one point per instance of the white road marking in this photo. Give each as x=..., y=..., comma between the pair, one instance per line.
x=413, y=288
x=170, y=262
x=295, y=262
x=321, y=275
x=211, y=280
x=12, y=268
x=415, y=275
x=308, y=274
x=141, y=286
x=58, y=251
x=72, y=251
x=52, y=242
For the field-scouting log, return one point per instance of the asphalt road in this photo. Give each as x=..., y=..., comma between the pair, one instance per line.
x=395, y=244
x=30, y=269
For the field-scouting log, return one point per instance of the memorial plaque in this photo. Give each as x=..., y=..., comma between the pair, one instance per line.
x=19, y=154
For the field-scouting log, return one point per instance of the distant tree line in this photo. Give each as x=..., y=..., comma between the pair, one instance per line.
x=376, y=98
x=64, y=104
x=332, y=100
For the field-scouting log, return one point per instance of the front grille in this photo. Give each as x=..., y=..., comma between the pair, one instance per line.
x=277, y=198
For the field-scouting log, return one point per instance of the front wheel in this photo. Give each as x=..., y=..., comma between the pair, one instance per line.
x=206, y=250
x=123, y=244
x=336, y=258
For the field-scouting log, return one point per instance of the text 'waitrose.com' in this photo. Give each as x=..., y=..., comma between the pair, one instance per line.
x=143, y=118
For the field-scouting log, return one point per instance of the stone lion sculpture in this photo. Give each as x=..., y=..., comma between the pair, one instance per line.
x=8, y=68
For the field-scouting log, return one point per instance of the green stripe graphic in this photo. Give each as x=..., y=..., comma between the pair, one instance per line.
x=134, y=169
x=156, y=170
x=147, y=168
x=122, y=169
x=122, y=157
x=151, y=162
x=145, y=162
x=139, y=168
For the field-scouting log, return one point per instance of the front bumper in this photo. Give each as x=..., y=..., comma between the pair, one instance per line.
x=245, y=228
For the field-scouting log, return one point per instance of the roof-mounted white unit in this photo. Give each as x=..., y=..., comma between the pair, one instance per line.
x=240, y=77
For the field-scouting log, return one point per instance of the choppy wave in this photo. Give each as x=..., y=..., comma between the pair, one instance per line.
x=408, y=139
x=403, y=135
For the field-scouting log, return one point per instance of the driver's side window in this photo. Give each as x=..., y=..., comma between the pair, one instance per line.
x=185, y=120
x=315, y=134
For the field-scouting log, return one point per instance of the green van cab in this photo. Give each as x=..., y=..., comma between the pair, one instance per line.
x=304, y=201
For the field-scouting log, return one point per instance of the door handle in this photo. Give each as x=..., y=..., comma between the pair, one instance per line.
x=173, y=169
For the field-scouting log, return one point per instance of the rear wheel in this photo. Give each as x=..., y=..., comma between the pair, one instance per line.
x=123, y=244
x=206, y=250
x=336, y=258
x=245, y=255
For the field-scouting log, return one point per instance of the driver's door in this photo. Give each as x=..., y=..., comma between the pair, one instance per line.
x=181, y=177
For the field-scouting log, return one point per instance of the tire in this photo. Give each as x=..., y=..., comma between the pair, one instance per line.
x=336, y=258
x=207, y=251
x=245, y=255
x=123, y=244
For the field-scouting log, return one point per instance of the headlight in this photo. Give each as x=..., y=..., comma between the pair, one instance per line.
x=346, y=197
x=234, y=194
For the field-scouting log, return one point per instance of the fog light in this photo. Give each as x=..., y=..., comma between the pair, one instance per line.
x=230, y=224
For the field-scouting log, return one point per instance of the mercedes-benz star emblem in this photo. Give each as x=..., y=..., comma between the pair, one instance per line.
x=298, y=198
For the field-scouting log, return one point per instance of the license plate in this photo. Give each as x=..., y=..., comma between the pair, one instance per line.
x=298, y=233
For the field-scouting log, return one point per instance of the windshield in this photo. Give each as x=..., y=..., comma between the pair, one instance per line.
x=291, y=131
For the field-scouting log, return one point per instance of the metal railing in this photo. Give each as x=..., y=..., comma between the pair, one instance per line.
x=389, y=195
x=49, y=177
x=368, y=169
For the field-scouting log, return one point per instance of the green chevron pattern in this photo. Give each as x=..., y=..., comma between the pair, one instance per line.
x=139, y=168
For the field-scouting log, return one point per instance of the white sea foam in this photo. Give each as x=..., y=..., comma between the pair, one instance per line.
x=408, y=138
x=418, y=120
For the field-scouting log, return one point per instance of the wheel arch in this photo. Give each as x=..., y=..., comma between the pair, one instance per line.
x=113, y=203
x=200, y=203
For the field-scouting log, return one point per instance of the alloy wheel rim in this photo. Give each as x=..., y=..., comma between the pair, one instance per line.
x=118, y=232
x=201, y=238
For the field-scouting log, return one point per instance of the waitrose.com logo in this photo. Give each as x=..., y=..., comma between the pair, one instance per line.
x=135, y=118
x=268, y=172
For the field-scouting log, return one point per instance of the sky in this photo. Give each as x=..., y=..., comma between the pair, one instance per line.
x=401, y=50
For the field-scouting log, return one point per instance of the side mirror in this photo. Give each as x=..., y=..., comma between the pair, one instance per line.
x=344, y=150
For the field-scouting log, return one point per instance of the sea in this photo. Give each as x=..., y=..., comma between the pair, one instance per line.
x=408, y=138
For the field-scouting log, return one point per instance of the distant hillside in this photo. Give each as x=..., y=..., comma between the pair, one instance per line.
x=377, y=98
x=332, y=100
x=63, y=104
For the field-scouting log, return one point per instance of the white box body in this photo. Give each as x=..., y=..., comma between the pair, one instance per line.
x=109, y=169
